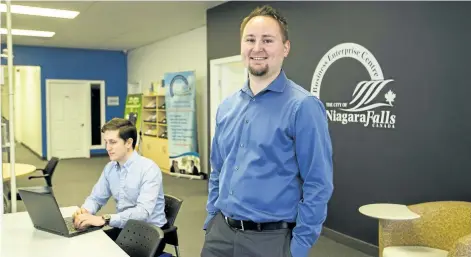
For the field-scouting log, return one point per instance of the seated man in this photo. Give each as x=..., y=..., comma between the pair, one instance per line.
x=135, y=182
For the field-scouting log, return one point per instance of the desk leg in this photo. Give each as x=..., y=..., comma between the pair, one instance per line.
x=380, y=237
x=385, y=235
x=7, y=151
x=6, y=188
x=396, y=233
x=6, y=204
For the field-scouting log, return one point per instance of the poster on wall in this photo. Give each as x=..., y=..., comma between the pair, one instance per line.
x=180, y=101
x=134, y=88
x=132, y=111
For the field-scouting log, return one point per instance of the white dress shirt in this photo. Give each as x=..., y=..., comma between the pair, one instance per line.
x=137, y=189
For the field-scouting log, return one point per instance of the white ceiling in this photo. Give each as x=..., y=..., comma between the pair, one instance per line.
x=112, y=25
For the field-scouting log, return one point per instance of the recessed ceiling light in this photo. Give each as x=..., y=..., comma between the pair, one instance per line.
x=39, y=11
x=31, y=33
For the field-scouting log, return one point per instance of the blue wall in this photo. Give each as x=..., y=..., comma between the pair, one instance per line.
x=80, y=64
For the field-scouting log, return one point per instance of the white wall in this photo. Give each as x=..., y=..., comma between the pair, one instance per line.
x=30, y=104
x=5, y=94
x=5, y=105
x=19, y=91
x=183, y=52
x=27, y=106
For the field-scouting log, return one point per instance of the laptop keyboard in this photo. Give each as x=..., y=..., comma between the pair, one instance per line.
x=70, y=225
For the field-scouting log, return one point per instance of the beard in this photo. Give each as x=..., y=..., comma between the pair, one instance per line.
x=258, y=72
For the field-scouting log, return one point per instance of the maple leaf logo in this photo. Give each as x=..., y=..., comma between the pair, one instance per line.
x=390, y=96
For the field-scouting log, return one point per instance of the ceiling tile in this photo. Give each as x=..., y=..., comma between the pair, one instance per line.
x=116, y=25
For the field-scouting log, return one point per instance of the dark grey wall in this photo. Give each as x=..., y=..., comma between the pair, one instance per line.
x=425, y=48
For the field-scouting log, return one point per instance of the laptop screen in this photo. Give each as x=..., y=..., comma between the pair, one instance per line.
x=43, y=210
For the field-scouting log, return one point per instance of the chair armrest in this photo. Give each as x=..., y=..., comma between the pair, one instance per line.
x=462, y=248
x=170, y=230
x=38, y=176
x=171, y=236
x=39, y=169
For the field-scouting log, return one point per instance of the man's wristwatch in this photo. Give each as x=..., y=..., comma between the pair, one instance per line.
x=106, y=218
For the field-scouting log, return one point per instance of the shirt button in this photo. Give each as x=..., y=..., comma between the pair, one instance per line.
x=246, y=121
x=231, y=192
x=253, y=99
x=241, y=145
x=236, y=168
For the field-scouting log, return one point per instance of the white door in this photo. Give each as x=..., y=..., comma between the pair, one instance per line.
x=227, y=76
x=232, y=79
x=68, y=113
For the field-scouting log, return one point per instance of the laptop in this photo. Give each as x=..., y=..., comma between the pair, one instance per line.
x=45, y=214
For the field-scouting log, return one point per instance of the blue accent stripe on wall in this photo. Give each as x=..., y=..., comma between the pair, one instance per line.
x=76, y=64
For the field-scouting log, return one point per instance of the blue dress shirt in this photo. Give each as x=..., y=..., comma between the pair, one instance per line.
x=137, y=189
x=271, y=160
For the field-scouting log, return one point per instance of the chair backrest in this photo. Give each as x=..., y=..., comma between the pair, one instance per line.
x=140, y=239
x=441, y=223
x=172, y=207
x=49, y=170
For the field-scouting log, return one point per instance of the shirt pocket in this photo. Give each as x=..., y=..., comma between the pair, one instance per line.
x=132, y=189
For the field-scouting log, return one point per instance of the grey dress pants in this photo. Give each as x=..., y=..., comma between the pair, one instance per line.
x=221, y=240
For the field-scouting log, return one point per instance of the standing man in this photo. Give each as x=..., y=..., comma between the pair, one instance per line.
x=134, y=181
x=271, y=155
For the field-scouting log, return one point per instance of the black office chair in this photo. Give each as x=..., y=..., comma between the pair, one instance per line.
x=140, y=239
x=48, y=171
x=172, y=207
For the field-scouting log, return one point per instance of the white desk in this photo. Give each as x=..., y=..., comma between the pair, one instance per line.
x=21, y=169
x=388, y=211
x=20, y=239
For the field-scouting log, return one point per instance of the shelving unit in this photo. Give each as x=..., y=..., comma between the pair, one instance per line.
x=154, y=141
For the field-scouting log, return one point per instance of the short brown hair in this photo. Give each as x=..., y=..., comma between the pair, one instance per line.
x=267, y=11
x=126, y=129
